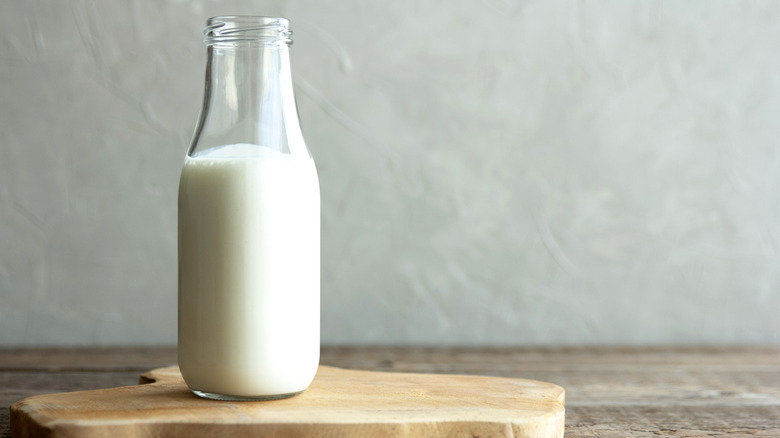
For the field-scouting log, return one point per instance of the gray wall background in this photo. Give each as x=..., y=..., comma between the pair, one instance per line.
x=492, y=172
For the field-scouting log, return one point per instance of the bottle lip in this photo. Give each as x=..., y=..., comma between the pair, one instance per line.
x=233, y=30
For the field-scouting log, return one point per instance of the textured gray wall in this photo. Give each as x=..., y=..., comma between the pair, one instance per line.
x=492, y=172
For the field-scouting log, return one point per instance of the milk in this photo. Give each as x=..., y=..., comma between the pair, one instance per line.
x=249, y=272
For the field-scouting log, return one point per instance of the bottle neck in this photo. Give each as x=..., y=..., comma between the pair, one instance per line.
x=249, y=95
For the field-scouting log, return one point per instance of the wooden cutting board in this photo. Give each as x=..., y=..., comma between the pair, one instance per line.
x=339, y=403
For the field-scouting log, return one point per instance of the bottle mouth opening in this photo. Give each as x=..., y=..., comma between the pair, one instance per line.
x=232, y=30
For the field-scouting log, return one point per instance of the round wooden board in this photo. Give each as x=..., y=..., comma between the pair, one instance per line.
x=339, y=403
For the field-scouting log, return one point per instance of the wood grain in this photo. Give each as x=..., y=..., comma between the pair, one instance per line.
x=344, y=403
x=610, y=392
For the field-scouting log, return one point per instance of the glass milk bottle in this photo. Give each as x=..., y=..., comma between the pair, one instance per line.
x=249, y=224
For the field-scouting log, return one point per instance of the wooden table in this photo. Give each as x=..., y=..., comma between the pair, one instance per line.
x=610, y=392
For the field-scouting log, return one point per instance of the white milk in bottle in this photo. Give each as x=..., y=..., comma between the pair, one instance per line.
x=249, y=272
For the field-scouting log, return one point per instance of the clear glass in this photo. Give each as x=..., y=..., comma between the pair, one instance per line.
x=249, y=95
x=249, y=212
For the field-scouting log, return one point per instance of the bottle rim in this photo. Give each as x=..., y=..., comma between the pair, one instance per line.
x=232, y=30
